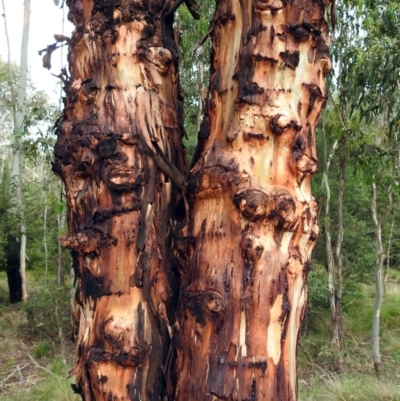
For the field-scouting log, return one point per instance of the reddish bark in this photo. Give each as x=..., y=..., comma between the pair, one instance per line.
x=253, y=218
x=120, y=134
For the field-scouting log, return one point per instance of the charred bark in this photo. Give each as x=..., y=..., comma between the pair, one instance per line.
x=13, y=269
x=253, y=221
x=121, y=118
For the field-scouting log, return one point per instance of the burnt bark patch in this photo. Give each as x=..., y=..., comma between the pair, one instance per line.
x=204, y=304
x=252, y=93
x=301, y=32
x=259, y=57
x=291, y=59
x=13, y=273
x=298, y=148
x=107, y=147
x=262, y=365
x=315, y=94
x=251, y=249
x=94, y=286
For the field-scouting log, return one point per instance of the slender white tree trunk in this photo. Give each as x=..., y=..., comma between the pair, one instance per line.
x=46, y=256
x=380, y=258
x=330, y=254
x=19, y=107
x=338, y=328
x=60, y=225
x=389, y=248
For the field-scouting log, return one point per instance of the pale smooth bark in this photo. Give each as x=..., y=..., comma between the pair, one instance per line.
x=253, y=220
x=388, y=251
x=380, y=258
x=59, y=270
x=336, y=339
x=46, y=254
x=19, y=107
x=337, y=335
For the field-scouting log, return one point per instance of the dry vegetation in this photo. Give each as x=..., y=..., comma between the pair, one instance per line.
x=33, y=367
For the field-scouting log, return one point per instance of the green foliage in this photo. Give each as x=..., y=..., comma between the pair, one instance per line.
x=194, y=66
x=41, y=350
x=48, y=310
x=34, y=327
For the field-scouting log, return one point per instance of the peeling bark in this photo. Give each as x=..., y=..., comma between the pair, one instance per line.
x=121, y=116
x=253, y=220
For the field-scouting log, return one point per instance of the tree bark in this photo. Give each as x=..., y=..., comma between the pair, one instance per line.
x=119, y=153
x=18, y=112
x=388, y=254
x=253, y=220
x=334, y=287
x=380, y=259
x=337, y=335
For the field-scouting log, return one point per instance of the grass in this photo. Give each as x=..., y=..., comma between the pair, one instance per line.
x=41, y=350
x=349, y=388
x=318, y=380
x=22, y=379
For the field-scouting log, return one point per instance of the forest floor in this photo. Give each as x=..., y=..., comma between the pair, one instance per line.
x=34, y=362
x=319, y=378
x=35, y=356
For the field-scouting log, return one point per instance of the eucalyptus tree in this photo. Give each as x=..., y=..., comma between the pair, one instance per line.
x=192, y=285
x=120, y=155
x=372, y=78
x=16, y=258
x=33, y=141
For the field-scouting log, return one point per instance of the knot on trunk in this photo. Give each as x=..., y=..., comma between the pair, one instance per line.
x=205, y=304
x=278, y=207
x=84, y=242
x=252, y=249
x=253, y=204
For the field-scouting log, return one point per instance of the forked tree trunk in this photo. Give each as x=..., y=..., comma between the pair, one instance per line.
x=121, y=121
x=253, y=218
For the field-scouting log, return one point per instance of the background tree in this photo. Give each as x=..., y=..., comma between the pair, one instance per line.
x=16, y=243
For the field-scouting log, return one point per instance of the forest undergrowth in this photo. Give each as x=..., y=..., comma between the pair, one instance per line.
x=36, y=350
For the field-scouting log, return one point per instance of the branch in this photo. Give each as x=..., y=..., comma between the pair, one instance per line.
x=344, y=127
x=13, y=100
x=190, y=4
x=172, y=10
x=37, y=365
x=164, y=164
x=17, y=369
x=389, y=206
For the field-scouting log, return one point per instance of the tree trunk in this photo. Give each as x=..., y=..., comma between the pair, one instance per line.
x=335, y=306
x=253, y=221
x=118, y=144
x=388, y=254
x=338, y=319
x=380, y=259
x=18, y=289
x=59, y=269
x=13, y=274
